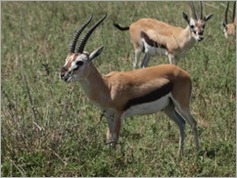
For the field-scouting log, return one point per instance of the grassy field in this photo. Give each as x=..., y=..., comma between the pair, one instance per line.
x=49, y=128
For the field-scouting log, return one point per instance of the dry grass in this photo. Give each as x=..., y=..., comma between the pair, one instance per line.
x=50, y=129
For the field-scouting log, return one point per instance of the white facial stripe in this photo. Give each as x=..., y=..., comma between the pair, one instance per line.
x=66, y=61
x=192, y=22
x=73, y=66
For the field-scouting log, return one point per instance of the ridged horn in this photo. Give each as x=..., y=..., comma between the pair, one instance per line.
x=193, y=10
x=226, y=13
x=201, y=10
x=77, y=34
x=86, y=37
x=234, y=9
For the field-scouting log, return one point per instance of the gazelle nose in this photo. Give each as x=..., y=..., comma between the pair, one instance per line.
x=200, y=33
x=65, y=76
x=62, y=75
x=200, y=38
x=63, y=72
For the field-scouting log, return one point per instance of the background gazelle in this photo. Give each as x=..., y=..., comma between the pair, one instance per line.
x=121, y=94
x=229, y=28
x=155, y=37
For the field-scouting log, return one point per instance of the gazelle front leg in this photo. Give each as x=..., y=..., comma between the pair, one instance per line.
x=172, y=59
x=114, y=126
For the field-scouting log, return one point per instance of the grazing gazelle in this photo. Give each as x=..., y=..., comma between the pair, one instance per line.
x=155, y=37
x=122, y=94
x=229, y=28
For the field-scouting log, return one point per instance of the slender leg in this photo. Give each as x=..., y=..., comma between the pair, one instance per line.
x=172, y=114
x=114, y=126
x=172, y=59
x=145, y=60
x=109, y=134
x=185, y=113
x=175, y=60
x=138, y=52
x=117, y=128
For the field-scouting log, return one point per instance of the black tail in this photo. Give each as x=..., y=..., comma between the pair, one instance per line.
x=120, y=28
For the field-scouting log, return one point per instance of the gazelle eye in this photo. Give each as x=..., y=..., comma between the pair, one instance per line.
x=79, y=63
x=191, y=26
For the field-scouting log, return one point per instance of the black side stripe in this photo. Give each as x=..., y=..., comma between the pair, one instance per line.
x=151, y=42
x=152, y=96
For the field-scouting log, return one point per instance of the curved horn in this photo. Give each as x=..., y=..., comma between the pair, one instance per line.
x=226, y=13
x=201, y=10
x=193, y=10
x=86, y=37
x=77, y=34
x=234, y=9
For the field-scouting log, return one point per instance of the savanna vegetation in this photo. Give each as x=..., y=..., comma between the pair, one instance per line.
x=49, y=128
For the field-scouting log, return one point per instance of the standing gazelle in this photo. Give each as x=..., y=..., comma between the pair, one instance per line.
x=122, y=94
x=229, y=28
x=155, y=37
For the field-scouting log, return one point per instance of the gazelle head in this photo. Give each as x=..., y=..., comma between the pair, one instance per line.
x=77, y=63
x=229, y=28
x=196, y=24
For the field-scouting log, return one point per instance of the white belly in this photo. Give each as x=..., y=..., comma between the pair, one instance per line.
x=148, y=108
x=153, y=50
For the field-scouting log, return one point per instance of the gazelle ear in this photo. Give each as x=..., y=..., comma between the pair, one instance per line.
x=96, y=53
x=206, y=18
x=185, y=16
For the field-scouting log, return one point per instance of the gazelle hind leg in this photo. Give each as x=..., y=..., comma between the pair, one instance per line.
x=145, y=60
x=185, y=113
x=173, y=115
x=138, y=52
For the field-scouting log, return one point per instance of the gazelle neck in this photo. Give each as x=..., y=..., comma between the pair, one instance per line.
x=186, y=41
x=95, y=87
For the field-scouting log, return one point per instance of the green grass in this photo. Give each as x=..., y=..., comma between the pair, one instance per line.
x=49, y=128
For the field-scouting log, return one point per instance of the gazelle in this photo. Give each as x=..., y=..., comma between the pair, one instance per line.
x=229, y=28
x=122, y=94
x=155, y=37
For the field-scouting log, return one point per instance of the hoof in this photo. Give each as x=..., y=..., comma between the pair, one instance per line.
x=111, y=143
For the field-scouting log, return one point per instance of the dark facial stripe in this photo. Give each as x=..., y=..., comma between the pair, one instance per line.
x=152, y=96
x=150, y=42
